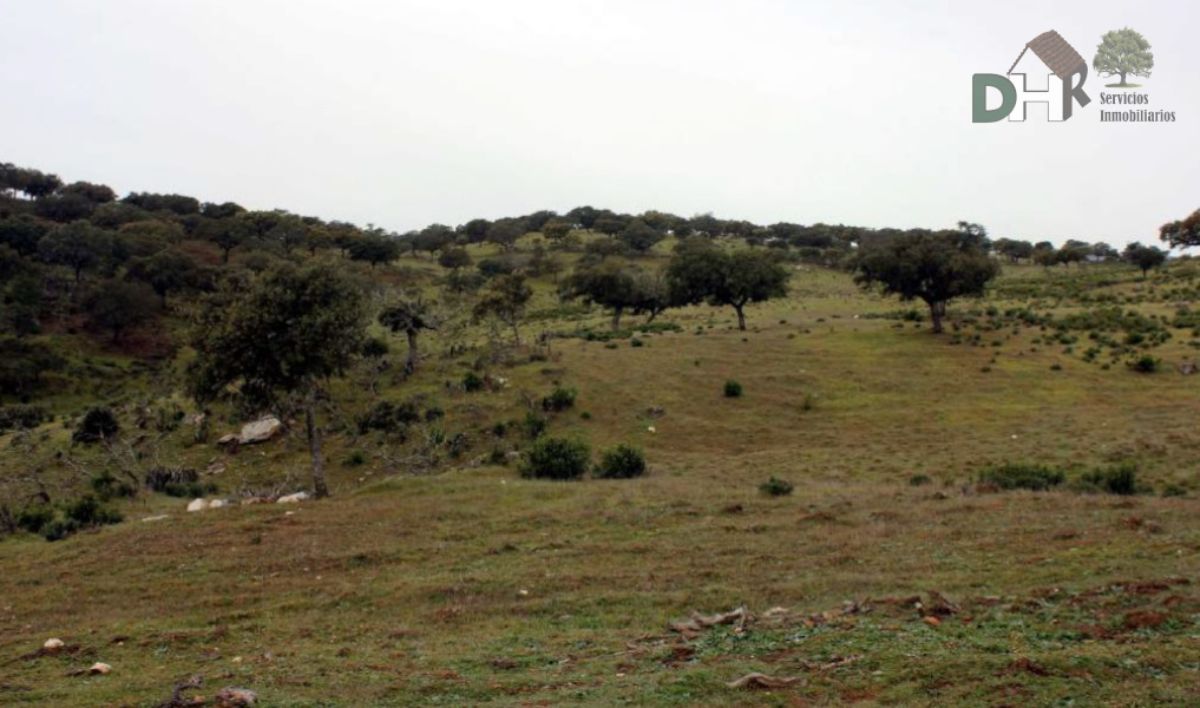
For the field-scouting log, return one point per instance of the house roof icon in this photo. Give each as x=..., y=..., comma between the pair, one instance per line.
x=1054, y=51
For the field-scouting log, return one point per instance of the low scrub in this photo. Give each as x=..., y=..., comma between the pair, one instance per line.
x=621, y=462
x=56, y=524
x=560, y=399
x=1119, y=479
x=22, y=417
x=1023, y=476
x=97, y=424
x=775, y=487
x=556, y=458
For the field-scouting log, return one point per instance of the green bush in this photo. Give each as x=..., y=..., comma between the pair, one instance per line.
x=1145, y=364
x=1118, y=479
x=356, y=458
x=389, y=417
x=733, y=389
x=97, y=424
x=1023, y=476
x=35, y=517
x=919, y=480
x=621, y=462
x=775, y=487
x=472, y=382
x=556, y=458
x=87, y=511
x=22, y=417
x=106, y=486
x=560, y=399
x=534, y=425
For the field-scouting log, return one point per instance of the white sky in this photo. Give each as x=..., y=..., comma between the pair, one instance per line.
x=408, y=112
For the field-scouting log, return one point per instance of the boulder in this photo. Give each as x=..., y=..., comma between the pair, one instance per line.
x=217, y=504
x=260, y=430
x=53, y=645
x=292, y=498
x=99, y=669
x=197, y=505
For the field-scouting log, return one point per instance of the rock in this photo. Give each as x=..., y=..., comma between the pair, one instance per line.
x=227, y=439
x=260, y=430
x=235, y=698
x=215, y=468
x=1187, y=368
x=159, y=517
x=512, y=456
x=217, y=504
x=292, y=498
x=53, y=645
x=197, y=505
x=99, y=669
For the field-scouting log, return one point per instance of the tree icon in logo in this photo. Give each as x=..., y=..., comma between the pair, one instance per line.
x=1123, y=53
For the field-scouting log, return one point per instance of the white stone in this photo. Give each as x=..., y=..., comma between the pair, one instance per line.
x=197, y=505
x=53, y=644
x=100, y=668
x=160, y=517
x=260, y=430
x=292, y=498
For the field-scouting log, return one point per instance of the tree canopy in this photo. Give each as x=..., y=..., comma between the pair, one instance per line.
x=935, y=267
x=701, y=272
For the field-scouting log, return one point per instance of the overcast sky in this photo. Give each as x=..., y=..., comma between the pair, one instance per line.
x=406, y=112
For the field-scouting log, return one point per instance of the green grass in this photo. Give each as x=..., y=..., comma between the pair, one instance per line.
x=457, y=582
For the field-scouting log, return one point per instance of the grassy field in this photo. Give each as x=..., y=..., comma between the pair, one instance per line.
x=888, y=575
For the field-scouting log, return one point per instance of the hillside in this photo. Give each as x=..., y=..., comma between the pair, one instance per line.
x=900, y=568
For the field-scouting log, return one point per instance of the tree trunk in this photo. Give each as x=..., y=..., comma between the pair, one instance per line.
x=937, y=310
x=741, y=316
x=320, y=486
x=1122, y=78
x=411, y=364
x=516, y=333
x=616, y=320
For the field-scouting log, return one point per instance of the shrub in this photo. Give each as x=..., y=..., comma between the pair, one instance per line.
x=559, y=399
x=621, y=462
x=22, y=417
x=472, y=382
x=1022, y=476
x=388, y=417
x=1118, y=479
x=97, y=424
x=733, y=389
x=556, y=458
x=919, y=480
x=35, y=517
x=1145, y=364
x=375, y=348
x=534, y=425
x=176, y=482
x=356, y=458
x=88, y=511
x=775, y=487
x=106, y=486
